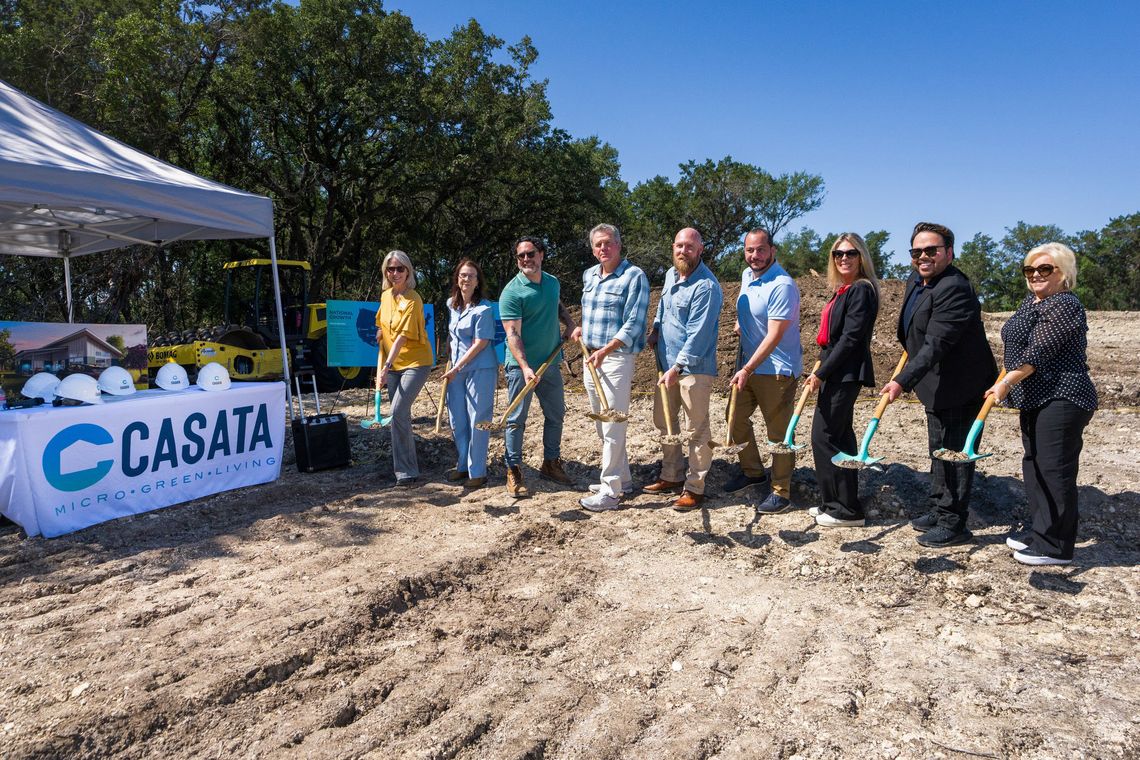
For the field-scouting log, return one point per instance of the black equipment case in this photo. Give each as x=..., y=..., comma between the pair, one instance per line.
x=320, y=441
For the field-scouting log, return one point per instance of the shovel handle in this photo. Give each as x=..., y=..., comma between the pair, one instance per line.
x=531, y=385
x=594, y=375
x=665, y=405
x=990, y=401
x=731, y=414
x=379, y=363
x=442, y=399
x=804, y=396
x=882, y=407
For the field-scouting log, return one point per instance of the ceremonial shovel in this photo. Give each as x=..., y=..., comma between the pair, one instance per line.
x=378, y=419
x=671, y=438
x=861, y=459
x=788, y=445
x=728, y=448
x=502, y=423
x=442, y=399
x=967, y=454
x=607, y=414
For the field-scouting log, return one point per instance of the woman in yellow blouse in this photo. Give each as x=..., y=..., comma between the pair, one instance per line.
x=406, y=348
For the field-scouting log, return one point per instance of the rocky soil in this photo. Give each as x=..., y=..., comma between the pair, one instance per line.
x=331, y=615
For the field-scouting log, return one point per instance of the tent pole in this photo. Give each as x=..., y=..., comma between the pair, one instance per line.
x=65, y=254
x=67, y=286
x=281, y=328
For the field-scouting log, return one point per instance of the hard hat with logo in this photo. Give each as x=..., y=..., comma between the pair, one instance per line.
x=40, y=385
x=213, y=377
x=116, y=381
x=80, y=388
x=172, y=377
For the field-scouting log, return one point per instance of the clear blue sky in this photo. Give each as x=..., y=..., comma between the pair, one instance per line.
x=974, y=114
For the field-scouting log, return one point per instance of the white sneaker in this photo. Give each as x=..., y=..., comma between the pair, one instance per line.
x=597, y=488
x=1016, y=544
x=815, y=511
x=600, y=502
x=825, y=520
x=1030, y=557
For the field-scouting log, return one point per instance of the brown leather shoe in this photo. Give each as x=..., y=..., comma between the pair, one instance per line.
x=664, y=486
x=473, y=483
x=456, y=476
x=552, y=470
x=515, y=485
x=688, y=501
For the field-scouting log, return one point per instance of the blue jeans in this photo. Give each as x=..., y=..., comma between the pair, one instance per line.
x=553, y=403
x=470, y=400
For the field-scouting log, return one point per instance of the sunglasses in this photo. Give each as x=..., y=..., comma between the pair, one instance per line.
x=929, y=251
x=526, y=255
x=397, y=269
x=848, y=253
x=1045, y=270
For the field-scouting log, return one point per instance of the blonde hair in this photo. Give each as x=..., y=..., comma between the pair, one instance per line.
x=1063, y=258
x=866, y=266
x=401, y=258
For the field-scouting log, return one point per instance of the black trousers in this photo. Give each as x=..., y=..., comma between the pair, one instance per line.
x=832, y=432
x=1053, y=436
x=950, y=482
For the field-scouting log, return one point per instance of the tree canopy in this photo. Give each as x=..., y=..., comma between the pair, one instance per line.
x=369, y=136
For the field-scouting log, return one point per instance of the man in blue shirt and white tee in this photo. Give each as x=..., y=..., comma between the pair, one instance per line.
x=768, y=322
x=686, y=326
x=615, y=304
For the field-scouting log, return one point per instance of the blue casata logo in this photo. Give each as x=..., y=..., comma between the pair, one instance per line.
x=64, y=439
x=162, y=445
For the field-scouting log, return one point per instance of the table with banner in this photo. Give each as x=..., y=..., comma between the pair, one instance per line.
x=66, y=468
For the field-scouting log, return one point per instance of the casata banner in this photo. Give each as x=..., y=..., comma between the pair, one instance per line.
x=72, y=467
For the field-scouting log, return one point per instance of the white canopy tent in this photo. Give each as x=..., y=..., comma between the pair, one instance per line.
x=68, y=190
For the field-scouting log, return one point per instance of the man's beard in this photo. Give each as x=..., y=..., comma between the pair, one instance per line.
x=684, y=266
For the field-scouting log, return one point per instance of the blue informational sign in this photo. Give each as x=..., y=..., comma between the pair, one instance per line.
x=500, y=343
x=352, y=332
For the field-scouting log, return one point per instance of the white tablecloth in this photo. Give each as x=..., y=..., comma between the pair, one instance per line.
x=65, y=468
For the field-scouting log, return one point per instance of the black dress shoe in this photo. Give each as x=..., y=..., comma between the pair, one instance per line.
x=924, y=522
x=941, y=537
x=406, y=482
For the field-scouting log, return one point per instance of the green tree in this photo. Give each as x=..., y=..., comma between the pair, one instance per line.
x=724, y=200
x=1109, y=265
x=779, y=201
x=977, y=258
x=7, y=350
x=803, y=251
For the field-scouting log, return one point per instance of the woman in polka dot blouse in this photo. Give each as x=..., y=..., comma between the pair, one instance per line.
x=1048, y=380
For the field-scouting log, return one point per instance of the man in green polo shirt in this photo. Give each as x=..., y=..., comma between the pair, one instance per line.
x=529, y=308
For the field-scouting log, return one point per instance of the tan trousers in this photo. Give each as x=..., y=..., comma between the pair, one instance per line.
x=691, y=394
x=775, y=397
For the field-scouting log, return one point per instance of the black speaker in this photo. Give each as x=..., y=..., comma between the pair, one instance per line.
x=321, y=442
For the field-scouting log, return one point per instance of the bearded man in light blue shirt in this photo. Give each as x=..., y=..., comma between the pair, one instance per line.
x=685, y=335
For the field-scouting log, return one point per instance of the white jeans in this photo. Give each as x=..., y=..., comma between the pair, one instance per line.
x=616, y=377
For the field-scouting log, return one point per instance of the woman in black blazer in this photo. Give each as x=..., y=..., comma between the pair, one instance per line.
x=845, y=341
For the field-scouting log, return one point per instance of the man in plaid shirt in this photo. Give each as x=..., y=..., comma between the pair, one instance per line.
x=615, y=303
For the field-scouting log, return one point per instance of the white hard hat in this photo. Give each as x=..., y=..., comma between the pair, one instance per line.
x=172, y=377
x=116, y=381
x=213, y=377
x=79, y=387
x=40, y=385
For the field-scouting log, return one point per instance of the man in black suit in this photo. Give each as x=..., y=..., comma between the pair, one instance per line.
x=950, y=366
